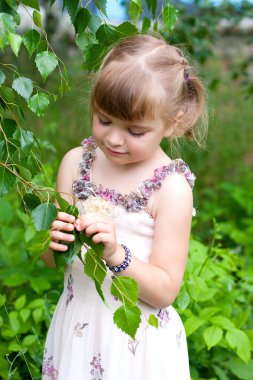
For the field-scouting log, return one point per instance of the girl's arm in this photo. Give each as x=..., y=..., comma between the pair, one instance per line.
x=160, y=279
x=68, y=171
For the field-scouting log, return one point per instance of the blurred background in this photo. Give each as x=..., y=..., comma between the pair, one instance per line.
x=218, y=37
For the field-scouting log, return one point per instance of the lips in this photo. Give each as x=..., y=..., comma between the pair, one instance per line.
x=115, y=152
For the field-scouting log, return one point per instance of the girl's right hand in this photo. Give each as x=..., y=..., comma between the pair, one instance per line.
x=63, y=222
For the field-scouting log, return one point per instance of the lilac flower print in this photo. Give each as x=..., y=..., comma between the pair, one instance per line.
x=78, y=330
x=69, y=289
x=163, y=317
x=178, y=338
x=132, y=345
x=48, y=370
x=96, y=368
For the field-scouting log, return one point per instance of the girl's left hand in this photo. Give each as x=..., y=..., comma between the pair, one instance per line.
x=102, y=229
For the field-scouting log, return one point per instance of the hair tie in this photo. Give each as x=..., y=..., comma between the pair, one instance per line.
x=186, y=70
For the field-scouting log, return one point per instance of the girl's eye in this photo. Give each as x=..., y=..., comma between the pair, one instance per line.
x=104, y=121
x=135, y=134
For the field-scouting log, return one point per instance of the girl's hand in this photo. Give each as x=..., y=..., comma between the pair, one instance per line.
x=102, y=229
x=63, y=222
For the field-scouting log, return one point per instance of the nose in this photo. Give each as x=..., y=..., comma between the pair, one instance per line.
x=115, y=137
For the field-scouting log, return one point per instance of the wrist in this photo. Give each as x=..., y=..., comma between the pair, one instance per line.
x=124, y=264
x=117, y=257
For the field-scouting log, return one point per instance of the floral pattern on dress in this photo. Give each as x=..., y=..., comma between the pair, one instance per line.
x=163, y=317
x=70, y=294
x=48, y=370
x=178, y=338
x=132, y=345
x=78, y=329
x=96, y=368
x=137, y=201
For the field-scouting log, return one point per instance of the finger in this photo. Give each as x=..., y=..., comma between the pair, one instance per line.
x=102, y=237
x=59, y=225
x=58, y=235
x=65, y=217
x=85, y=220
x=58, y=247
x=97, y=227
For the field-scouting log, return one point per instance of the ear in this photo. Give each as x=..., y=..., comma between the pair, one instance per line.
x=170, y=127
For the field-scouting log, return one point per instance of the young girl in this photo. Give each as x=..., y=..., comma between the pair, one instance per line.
x=143, y=93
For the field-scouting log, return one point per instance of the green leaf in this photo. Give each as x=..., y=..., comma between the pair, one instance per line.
x=106, y=35
x=100, y=292
x=152, y=5
x=82, y=20
x=23, y=86
x=94, y=23
x=183, y=299
x=2, y=77
x=2, y=299
x=170, y=16
x=44, y=215
x=39, y=302
x=72, y=7
x=7, y=94
x=239, y=340
x=52, y=3
x=94, y=267
x=223, y=322
x=146, y=24
x=24, y=173
x=212, y=335
x=93, y=56
x=153, y=320
x=46, y=62
x=25, y=138
x=32, y=3
x=101, y=5
x=125, y=288
x=8, y=22
x=25, y=314
x=20, y=302
x=31, y=40
x=29, y=340
x=37, y=19
x=30, y=201
x=128, y=319
x=192, y=324
x=126, y=29
x=14, y=322
x=39, y=244
x=240, y=369
x=15, y=41
x=37, y=315
x=64, y=205
x=135, y=8
x=38, y=103
x=7, y=180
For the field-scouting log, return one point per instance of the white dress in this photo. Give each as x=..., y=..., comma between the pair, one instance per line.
x=83, y=343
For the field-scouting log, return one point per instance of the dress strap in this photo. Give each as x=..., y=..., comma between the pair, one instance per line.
x=135, y=201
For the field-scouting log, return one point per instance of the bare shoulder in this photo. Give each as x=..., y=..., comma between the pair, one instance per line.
x=68, y=172
x=175, y=195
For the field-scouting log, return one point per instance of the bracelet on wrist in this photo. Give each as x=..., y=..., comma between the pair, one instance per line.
x=126, y=262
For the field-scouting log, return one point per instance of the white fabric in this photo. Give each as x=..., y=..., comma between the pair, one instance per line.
x=84, y=343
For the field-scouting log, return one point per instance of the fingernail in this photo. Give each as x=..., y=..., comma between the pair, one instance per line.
x=77, y=221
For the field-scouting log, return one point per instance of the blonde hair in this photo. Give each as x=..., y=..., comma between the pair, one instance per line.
x=144, y=77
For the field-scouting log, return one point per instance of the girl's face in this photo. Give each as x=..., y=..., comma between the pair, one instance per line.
x=126, y=142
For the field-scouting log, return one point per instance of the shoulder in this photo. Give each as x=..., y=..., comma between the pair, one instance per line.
x=68, y=171
x=175, y=194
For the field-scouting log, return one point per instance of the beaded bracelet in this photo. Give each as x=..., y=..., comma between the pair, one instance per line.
x=126, y=262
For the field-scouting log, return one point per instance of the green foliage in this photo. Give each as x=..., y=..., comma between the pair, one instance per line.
x=216, y=297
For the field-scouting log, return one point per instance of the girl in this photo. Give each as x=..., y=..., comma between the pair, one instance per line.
x=143, y=93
